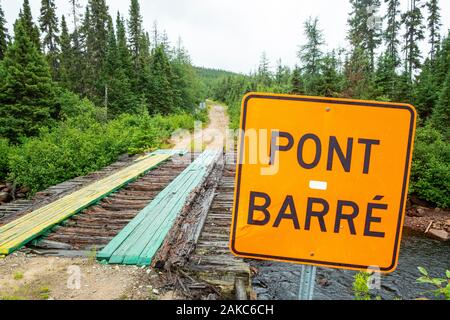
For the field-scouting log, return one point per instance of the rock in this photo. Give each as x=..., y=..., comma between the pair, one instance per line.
x=324, y=282
x=24, y=190
x=447, y=222
x=156, y=291
x=21, y=196
x=437, y=210
x=4, y=197
x=421, y=212
x=439, y=234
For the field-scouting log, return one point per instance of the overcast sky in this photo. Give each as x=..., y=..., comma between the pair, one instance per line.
x=232, y=34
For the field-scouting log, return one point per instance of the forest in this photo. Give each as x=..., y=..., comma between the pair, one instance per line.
x=77, y=92
x=400, y=73
x=72, y=102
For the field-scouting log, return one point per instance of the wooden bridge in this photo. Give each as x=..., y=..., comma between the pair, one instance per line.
x=168, y=209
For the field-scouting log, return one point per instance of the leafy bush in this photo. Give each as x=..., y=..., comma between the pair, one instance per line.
x=4, y=153
x=430, y=177
x=442, y=285
x=360, y=286
x=80, y=145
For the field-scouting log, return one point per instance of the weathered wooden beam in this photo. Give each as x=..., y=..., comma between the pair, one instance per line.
x=183, y=237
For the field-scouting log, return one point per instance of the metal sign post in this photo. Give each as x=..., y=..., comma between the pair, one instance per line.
x=307, y=282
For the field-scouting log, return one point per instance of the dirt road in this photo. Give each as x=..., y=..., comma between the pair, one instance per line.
x=211, y=137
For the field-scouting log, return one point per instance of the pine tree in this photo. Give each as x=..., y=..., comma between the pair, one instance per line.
x=185, y=83
x=96, y=37
x=311, y=53
x=143, y=78
x=27, y=97
x=441, y=114
x=426, y=93
x=282, y=75
x=155, y=35
x=264, y=74
x=392, y=31
x=139, y=48
x=434, y=25
x=75, y=37
x=30, y=28
x=4, y=37
x=49, y=28
x=364, y=34
x=135, y=30
x=412, y=20
x=297, y=81
x=67, y=65
x=165, y=43
x=122, y=46
x=76, y=16
x=330, y=81
x=120, y=98
x=386, y=78
x=87, y=76
x=161, y=90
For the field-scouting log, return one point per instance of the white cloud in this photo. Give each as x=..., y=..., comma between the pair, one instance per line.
x=231, y=34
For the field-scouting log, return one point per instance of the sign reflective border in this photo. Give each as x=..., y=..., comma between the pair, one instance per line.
x=322, y=181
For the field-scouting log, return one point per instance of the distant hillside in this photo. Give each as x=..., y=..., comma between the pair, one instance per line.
x=208, y=76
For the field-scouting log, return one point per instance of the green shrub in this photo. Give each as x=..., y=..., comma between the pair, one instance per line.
x=430, y=176
x=4, y=153
x=442, y=285
x=80, y=145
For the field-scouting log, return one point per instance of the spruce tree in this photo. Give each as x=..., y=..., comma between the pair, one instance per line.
x=30, y=28
x=87, y=74
x=49, y=28
x=311, y=53
x=4, y=37
x=161, y=90
x=120, y=98
x=122, y=47
x=373, y=35
x=75, y=7
x=441, y=114
x=392, y=31
x=135, y=30
x=97, y=42
x=434, y=25
x=386, y=78
x=364, y=34
x=264, y=74
x=414, y=33
x=426, y=90
x=67, y=65
x=297, y=81
x=185, y=83
x=330, y=81
x=27, y=97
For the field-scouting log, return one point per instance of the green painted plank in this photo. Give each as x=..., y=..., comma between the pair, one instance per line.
x=111, y=248
x=156, y=204
x=25, y=229
x=158, y=227
x=138, y=234
x=174, y=192
x=142, y=237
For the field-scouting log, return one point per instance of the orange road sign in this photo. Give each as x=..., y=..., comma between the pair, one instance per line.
x=322, y=181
